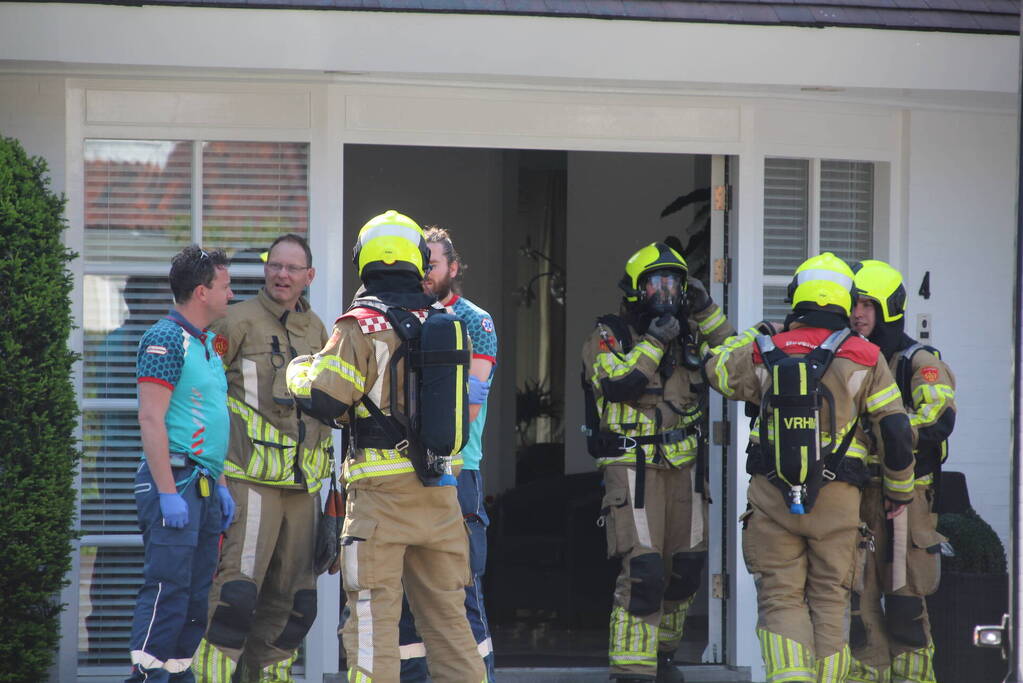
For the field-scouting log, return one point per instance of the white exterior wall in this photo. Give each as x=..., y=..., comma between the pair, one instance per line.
x=32, y=110
x=947, y=155
x=961, y=228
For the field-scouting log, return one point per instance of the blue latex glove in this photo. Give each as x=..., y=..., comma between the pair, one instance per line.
x=478, y=390
x=226, y=506
x=174, y=510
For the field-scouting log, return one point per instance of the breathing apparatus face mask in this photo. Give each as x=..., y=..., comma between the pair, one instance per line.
x=662, y=292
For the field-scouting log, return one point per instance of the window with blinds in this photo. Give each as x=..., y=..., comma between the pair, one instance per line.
x=847, y=209
x=786, y=214
x=138, y=215
x=812, y=206
x=138, y=204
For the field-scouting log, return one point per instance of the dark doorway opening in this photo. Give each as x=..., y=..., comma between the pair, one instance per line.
x=545, y=235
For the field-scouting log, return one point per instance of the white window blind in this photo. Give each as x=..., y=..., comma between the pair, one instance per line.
x=775, y=306
x=109, y=580
x=813, y=206
x=786, y=228
x=250, y=193
x=119, y=309
x=111, y=453
x=138, y=204
x=847, y=209
x=786, y=214
x=253, y=192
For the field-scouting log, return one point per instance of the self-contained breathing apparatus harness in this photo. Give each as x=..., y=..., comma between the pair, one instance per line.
x=799, y=464
x=606, y=444
x=403, y=430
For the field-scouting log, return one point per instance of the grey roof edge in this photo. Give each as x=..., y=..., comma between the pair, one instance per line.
x=732, y=13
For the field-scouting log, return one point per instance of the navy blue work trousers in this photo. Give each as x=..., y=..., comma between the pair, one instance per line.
x=171, y=608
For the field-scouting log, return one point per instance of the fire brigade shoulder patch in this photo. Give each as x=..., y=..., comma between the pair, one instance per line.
x=929, y=373
x=606, y=343
x=156, y=350
x=487, y=324
x=220, y=345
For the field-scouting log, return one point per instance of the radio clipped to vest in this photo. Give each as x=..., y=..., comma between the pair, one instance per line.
x=795, y=458
x=433, y=426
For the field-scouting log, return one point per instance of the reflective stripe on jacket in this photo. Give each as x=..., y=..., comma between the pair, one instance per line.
x=257, y=339
x=658, y=406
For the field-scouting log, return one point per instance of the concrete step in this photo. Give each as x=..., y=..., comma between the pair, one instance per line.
x=704, y=673
x=693, y=674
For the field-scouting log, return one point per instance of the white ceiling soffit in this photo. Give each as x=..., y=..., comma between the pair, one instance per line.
x=507, y=48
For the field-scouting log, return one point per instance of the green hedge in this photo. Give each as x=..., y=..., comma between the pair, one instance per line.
x=978, y=550
x=38, y=413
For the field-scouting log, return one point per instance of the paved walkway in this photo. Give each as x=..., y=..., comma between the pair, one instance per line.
x=694, y=674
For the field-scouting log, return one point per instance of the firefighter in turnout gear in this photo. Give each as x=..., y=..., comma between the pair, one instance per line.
x=801, y=536
x=893, y=642
x=643, y=392
x=263, y=599
x=398, y=533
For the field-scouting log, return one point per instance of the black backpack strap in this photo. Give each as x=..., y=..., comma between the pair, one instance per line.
x=770, y=353
x=387, y=425
x=822, y=356
x=904, y=369
x=904, y=372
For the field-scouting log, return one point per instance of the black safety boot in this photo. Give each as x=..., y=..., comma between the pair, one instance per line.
x=667, y=672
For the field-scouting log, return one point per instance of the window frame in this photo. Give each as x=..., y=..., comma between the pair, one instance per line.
x=879, y=218
x=127, y=268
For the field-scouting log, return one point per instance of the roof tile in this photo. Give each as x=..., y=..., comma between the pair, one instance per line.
x=573, y=7
x=798, y=14
x=526, y=6
x=975, y=16
x=484, y=5
x=862, y=16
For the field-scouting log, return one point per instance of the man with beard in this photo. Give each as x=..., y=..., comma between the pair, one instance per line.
x=263, y=600
x=443, y=281
x=905, y=567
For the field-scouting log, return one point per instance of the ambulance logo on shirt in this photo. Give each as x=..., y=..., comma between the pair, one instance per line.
x=156, y=350
x=929, y=373
x=220, y=345
x=488, y=325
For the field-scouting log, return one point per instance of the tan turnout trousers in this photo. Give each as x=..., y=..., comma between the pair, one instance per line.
x=874, y=647
x=266, y=557
x=398, y=531
x=803, y=569
x=661, y=546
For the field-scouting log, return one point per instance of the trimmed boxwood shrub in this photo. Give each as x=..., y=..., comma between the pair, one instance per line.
x=38, y=413
x=978, y=550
